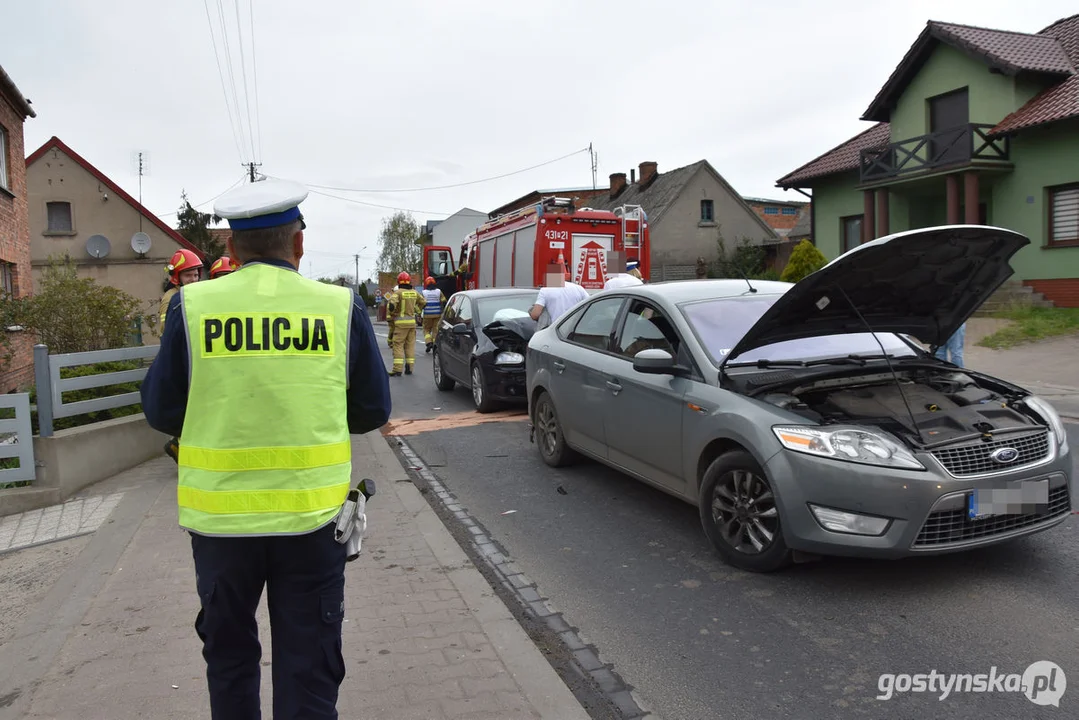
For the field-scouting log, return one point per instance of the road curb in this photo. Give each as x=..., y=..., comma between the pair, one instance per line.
x=501, y=569
x=539, y=682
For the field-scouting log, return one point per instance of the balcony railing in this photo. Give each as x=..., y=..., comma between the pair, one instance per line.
x=955, y=146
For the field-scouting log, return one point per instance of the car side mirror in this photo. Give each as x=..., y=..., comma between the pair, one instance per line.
x=655, y=362
x=461, y=329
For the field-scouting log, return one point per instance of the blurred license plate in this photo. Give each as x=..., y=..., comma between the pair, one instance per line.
x=1026, y=498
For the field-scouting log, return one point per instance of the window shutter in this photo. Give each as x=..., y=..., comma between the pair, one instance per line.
x=1065, y=216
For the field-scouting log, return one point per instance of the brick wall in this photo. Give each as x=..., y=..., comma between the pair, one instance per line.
x=778, y=221
x=15, y=245
x=1063, y=292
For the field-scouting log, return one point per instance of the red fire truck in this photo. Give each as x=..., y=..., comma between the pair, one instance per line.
x=515, y=249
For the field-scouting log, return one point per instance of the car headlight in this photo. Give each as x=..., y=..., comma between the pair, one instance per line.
x=509, y=358
x=852, y=444
x=1049, y=414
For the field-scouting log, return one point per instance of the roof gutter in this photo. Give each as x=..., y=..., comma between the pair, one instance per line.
x=9, y=88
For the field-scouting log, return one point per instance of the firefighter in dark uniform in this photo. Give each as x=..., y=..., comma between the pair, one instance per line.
x=281, y=370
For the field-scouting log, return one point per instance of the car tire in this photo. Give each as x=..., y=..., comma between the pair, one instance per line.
x=442, y=381
x=738, y=511
x=480, y=396
x=550, y=440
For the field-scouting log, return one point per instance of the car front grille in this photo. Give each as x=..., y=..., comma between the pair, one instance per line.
x=973, y=457
x=948, y=527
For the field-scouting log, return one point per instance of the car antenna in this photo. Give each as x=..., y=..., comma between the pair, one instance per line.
x=743, y=274
x=884, y=354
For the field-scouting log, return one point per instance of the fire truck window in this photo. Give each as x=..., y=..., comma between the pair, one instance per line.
x=439, y=262
x=646, y=328
x=597, y=324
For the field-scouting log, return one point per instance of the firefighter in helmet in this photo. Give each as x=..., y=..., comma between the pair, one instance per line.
x=434, y=302
x=401, y=310
x=222, y=266
x=183, y=269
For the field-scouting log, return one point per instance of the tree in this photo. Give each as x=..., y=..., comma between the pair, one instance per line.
x=399, y=245
x=195, y=227
x=745, y=261
x=73, y=314
x=805, y=259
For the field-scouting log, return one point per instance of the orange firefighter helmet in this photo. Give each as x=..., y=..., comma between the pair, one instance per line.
x=222, y=266
x=180, y=261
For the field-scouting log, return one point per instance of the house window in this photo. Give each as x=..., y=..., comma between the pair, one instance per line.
x=3, y=158
x=790, y=211
x=850, y=232
x=708, y=211
x=771, y=211
x=1064, y=215
x=7, y=278
x=59, y=217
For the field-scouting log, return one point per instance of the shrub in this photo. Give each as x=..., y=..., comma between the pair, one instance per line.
x=805, y=259
x=92, y=394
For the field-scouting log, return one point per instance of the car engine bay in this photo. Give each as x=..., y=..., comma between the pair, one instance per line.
x=944, y=405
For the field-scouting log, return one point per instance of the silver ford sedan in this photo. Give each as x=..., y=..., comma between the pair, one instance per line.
x=806, y=420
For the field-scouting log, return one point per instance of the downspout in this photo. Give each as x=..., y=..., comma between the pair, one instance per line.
x=812, y=216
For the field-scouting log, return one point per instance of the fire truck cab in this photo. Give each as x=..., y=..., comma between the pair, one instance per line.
x=515, y=249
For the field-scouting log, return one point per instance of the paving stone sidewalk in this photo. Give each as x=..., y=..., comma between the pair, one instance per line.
x=425, y=636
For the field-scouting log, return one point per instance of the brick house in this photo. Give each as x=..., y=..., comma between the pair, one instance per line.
x=781, y=215
x=974, y=126
x=14, y=228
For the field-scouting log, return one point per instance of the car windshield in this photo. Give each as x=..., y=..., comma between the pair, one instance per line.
x=503, y=307
x=720, y=323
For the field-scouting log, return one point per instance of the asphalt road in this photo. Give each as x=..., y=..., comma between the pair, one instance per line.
x=630, y=567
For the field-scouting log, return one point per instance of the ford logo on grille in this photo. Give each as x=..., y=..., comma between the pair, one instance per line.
x=1005, y=455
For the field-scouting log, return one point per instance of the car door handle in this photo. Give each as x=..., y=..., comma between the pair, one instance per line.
x=614, y=387
x=559, y=366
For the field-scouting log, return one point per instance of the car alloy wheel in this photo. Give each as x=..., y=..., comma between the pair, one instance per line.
x=479, y=390
x=442, y=382
x=740, y=515
x=552, y=443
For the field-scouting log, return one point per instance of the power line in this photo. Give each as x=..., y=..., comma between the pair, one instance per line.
x=454, y=185
x=243, y=74
x=255, y=72
x=221, y=75
x=177, y=212
x=386, y=207
x=232, y=74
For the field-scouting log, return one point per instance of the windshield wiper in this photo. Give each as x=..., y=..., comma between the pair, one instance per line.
x=848, y=360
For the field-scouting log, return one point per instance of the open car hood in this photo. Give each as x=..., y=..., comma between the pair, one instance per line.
x=511, y=329
x=924, y=283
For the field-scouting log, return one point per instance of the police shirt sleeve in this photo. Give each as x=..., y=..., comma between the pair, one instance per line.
x=368, y=396
x=164, y=389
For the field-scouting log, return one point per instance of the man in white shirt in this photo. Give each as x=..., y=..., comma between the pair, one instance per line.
x=557, y=297
x=621, y=280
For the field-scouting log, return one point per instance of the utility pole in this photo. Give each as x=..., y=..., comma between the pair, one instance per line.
x=357, y=257
x=594, y=157
x=140, y=190
x=251, y=169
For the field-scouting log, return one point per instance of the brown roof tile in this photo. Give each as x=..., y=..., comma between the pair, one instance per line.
x=1011, y=50
x=1058, y=102
x=840, y=158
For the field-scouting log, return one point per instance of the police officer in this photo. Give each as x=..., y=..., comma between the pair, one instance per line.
x=401, y=310
x=281, y=369
x=434, y=302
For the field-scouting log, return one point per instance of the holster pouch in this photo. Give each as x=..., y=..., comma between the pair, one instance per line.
x=352, y=523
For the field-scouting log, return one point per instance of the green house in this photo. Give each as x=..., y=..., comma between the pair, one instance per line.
x=974, y=126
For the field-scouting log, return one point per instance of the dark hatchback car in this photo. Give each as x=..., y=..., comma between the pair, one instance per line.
x=481, y=342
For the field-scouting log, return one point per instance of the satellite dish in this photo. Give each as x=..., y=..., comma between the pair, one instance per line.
x=140, y=243
x=98, y=246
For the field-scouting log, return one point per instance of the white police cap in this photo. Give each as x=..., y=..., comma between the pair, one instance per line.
x=263, y=204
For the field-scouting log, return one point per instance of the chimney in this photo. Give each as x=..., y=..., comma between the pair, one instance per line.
x=618, y=184
x=633, y=176
x=648, y=172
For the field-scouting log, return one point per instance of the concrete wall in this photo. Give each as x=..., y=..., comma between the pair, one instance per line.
x=453, y=230
x=992, y=96
x=56, y=177
x=15, y=244
x=679, y=237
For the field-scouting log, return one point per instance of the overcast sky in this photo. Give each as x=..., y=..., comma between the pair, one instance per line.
x=413, y=94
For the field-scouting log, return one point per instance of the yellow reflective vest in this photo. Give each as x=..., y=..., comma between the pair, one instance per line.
x=265, y=447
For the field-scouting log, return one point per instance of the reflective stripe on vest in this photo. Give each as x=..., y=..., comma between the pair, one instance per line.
x=432, y=302
x=265, y=448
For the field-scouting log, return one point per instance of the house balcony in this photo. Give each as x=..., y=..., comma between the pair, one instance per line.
x=961, y=147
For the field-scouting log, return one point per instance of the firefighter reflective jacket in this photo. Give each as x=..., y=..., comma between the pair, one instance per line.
x=265, y=446
x=403, y=307
x=432, y=302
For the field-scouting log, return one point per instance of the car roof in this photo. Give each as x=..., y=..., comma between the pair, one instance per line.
x=680, y=291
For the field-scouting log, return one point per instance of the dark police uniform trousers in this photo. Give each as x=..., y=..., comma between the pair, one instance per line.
x=305, y=580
